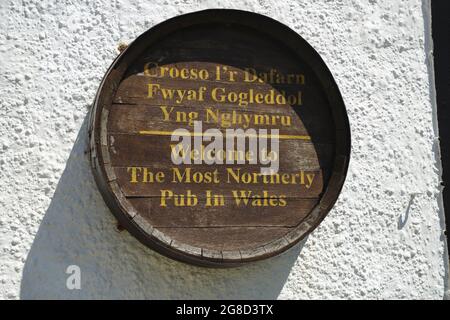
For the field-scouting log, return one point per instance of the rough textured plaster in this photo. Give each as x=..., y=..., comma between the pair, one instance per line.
x=382, y=240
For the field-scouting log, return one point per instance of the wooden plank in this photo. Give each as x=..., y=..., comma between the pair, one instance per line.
x=230, y=214
x=162, y=91
x=136, y=118
x=240, y=238
x=224, y=57
x=155, y=151
x=232, y=182
x=216, y=73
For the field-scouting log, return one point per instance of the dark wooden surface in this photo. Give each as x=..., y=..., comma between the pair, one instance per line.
x=269, y=217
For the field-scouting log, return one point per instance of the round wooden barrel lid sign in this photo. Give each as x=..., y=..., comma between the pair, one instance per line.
x=219, y=138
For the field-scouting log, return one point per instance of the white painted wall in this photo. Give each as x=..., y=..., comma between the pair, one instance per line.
x=383, y=239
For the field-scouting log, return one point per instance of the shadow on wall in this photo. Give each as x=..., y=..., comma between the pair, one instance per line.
x=78, y=229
